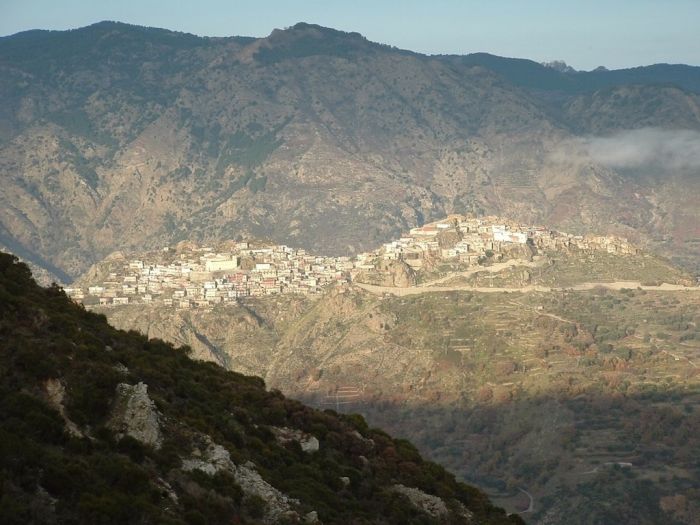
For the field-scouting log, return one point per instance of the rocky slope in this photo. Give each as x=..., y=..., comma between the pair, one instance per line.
x=123, y=137
x=103, y=426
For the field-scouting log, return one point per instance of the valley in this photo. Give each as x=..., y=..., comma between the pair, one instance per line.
x=567, y=388
x=482, y=381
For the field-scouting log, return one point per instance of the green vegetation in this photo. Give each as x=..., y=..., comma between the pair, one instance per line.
x=605, y=267
x=78, y=123
x=562, y=383
x=244, y=150
x=48, y=473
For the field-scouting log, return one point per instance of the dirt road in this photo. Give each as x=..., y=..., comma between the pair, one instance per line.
x=618, y=285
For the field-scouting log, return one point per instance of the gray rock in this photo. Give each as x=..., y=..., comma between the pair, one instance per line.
x=43, y=507
x=212, y=458
x=307, y=442
x=252, y=483
x=168, y=489
x=310, y=445
x=121, y=368
x=135, y=415
x=432, y=505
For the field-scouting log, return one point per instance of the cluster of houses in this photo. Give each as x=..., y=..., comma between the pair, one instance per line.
x=191, y=276
x=194, y=276
x=469, y=240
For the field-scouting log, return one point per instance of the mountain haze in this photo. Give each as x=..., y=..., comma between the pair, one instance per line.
x=124, y=137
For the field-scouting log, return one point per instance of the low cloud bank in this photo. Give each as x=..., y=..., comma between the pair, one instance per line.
x=638, y=148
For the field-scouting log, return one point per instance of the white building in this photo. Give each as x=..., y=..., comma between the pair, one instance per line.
x=503, y=234
x=220, y=264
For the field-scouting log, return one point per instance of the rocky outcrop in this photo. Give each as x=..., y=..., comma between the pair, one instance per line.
x=135, y=415
x=609, y=244
x=389, y=273
x=100, y=271
x=432, y=505
x=278, y=504
x=401, y=274
x=212, y=458
x=209, y=458
x=307, y=442
x=525, y=252
x=435, y=506
x=448, y=239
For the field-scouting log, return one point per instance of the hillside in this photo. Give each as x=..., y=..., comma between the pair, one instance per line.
x=587, y=400
x=105, y=426
x=118, y=137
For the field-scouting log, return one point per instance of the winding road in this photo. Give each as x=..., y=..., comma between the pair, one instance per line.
x=531, y=506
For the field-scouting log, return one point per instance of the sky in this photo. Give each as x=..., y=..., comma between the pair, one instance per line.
x=584, y=33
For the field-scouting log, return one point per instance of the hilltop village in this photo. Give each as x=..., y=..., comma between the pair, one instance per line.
x=193, y=276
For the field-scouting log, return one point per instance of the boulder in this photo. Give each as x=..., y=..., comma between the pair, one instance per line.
x=135, y=414
x=432, y=505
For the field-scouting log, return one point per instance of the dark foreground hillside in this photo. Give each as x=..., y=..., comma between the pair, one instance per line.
x=104, y=426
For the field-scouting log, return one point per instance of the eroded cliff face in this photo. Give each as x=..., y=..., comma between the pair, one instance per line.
x=238, y=337
x=389, y=273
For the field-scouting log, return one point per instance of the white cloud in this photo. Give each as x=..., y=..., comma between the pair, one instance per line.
x=638, y=148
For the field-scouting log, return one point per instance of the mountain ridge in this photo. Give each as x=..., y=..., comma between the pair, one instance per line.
x=148, y=134
x=479, y=57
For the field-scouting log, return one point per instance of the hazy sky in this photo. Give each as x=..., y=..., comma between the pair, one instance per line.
x=584, y=33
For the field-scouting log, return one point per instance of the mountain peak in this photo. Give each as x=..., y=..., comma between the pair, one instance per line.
x=304, y=40
x=305, y=28
x=559, y=65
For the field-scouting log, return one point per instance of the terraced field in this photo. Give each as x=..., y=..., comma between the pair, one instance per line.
x=561, y=390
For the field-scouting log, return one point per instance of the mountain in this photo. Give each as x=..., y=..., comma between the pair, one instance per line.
x=123, y=137
x=559, y=77
x=104, y=426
